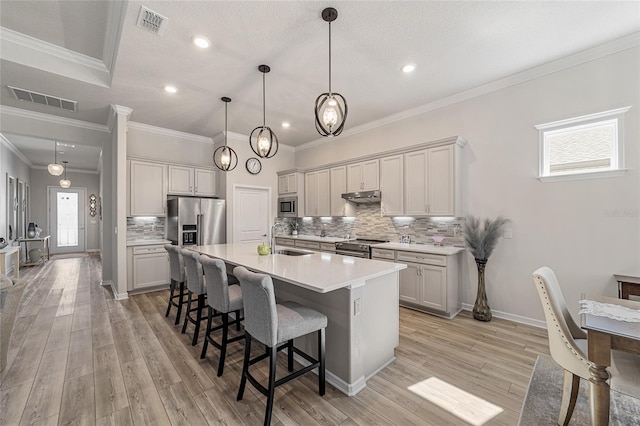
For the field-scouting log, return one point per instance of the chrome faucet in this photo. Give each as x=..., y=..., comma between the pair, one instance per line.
x=273, y=235
x=323, y=233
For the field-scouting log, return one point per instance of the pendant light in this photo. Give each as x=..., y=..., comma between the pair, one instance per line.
x=54, y=168
x=331, y=107
x=224, y=157
x=65, y=183
x=262, y=139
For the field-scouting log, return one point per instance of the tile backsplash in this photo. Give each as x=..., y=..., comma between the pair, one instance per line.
x=145, y=228
x=369, y=223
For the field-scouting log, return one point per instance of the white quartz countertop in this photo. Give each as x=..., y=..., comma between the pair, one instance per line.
x=320, y=272
x=421, y=248
x=131, y=243
x=313, y=238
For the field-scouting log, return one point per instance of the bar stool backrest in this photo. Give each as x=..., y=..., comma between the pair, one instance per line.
x=195, y=278
x=176, y=263
x=215, y=272
x=259, y=300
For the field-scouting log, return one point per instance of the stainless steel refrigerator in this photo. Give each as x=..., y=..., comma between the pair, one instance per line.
x=196, y=221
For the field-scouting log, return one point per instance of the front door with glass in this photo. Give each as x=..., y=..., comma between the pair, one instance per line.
x=66, y=219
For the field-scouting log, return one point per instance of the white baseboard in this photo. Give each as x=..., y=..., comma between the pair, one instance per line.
x=349, y=389
x=116, y=295
x=511, y=317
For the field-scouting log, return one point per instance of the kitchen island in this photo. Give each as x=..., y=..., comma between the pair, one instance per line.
x=358, y=296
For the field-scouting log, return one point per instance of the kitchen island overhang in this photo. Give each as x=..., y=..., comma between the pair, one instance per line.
x=358, y=296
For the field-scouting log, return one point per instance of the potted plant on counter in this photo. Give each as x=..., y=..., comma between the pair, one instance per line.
x=481, y=237
x=294, y=227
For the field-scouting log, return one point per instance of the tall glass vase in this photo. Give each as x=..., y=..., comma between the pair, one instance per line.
x=481, y=309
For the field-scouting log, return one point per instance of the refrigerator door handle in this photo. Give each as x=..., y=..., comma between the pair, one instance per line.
x=199, y=228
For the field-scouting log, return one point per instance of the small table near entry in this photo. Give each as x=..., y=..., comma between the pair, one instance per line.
x=44, y=240
x=628, y=284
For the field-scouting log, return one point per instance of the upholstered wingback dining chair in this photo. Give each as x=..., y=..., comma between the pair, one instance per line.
x=568, y=347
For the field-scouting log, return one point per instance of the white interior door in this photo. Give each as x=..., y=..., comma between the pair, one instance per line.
x=66, y=219
x=251, y=209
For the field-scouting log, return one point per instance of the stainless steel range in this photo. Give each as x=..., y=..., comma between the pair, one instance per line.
x=360, y=247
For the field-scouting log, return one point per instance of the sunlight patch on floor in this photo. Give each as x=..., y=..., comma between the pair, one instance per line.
x=468, y=407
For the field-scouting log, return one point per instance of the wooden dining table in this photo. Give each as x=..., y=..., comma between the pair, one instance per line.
x=603, y=335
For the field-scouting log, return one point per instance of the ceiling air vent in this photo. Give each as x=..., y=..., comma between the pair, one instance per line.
x=151, y=21
x=42, y=99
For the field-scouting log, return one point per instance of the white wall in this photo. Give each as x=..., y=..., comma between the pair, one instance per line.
x=565, y=225
x=41, y=180
x=157, y=144
x=10, y=165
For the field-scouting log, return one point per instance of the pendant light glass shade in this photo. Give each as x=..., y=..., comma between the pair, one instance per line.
x=331, y=107
x=54, y=168
x=263, y=140
x=224, y=157
x=65, y=183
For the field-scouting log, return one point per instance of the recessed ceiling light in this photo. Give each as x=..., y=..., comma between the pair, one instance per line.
x=285, y=124
x=170, y=89
x=201, y=42
x=408, y=68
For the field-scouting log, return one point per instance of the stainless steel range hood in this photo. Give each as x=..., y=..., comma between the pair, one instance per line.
x=363, y=196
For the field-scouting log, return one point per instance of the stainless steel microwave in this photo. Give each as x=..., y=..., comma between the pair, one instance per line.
x=288, y=207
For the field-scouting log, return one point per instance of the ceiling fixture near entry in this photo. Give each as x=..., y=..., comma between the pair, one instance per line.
x=331, y=107
x=407, y=68
x=65, y=183
x=201, y=42
x=55, y=168
x=262, y=139
x=224, y=157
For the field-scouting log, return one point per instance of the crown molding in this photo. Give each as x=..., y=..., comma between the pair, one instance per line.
x=588, y=55
x=85, y=171
x=32, y=52
x=115, y=20
x=168, y=132
x=11, y=147
x=32, y=115
x=117, y=110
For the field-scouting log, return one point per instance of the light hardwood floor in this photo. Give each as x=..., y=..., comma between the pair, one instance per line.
x=82, y=358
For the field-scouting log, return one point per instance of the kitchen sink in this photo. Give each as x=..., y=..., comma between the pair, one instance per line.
x=292, y=252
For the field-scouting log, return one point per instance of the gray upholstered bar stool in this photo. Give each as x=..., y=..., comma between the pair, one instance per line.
x=222, y=298
x=275, y=326
x=196, y=287
x=176, y=268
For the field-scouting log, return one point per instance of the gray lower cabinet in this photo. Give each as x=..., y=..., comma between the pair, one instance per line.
x=430, y=283
x=148, y=267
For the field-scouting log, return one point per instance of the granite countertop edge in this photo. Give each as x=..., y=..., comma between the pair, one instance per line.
x=421, y=248
x=131, y=243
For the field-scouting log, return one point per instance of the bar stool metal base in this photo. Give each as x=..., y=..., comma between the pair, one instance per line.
x=222, y=346
x=270, y=353
x=173, y=297
x=198, y=319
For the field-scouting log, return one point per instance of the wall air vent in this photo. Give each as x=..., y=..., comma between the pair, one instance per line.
x=42, y=99
x=151, y=21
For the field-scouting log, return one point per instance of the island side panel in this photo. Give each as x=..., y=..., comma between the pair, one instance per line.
x=358, y=343
x=338, y=338
x=380, y=323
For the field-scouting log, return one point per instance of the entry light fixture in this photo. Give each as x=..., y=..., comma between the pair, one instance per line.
x=65, y=183
x=262, y=139
x=54, y=168
x=331, y=107
x=201, y=42
x=224, y=157
x=408, y=68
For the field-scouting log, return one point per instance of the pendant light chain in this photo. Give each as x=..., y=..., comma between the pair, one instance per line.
x=264, y=102
x=225, y=123
x=329, y=58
